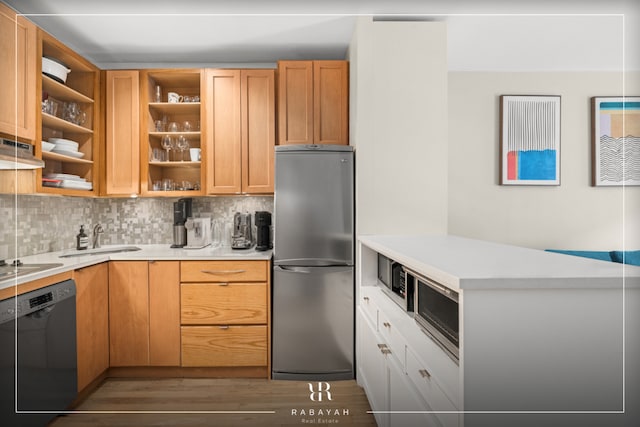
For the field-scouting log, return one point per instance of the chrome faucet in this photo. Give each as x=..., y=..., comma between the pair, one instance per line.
x=97, y=231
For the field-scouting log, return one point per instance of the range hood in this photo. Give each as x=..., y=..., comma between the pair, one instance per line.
x=17, y=155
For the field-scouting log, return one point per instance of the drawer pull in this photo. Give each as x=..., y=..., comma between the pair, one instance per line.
x=386, y=351
x=224, y=327
x=381, y=346
x=424, y=373
x=387, y=325
x=366, y=299
x=223, y=284
x=220, y=272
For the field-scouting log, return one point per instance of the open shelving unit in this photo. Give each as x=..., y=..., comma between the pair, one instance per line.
x=188, y=176
x=83, y=88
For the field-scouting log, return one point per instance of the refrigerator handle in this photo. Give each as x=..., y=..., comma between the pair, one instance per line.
x=304, y=270
x=309, y=270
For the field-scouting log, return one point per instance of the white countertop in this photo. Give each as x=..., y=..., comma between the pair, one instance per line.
x=462, y=263
x=146, y=253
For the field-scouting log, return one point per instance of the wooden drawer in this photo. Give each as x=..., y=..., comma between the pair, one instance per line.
x=223, y=303
x=427, y=385
x=216, y=346
x=224, y=271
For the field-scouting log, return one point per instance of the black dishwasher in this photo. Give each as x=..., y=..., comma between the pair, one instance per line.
x=38, y=360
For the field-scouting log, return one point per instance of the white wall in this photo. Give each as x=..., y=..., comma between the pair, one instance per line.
x=574, y=215
x=399, y=126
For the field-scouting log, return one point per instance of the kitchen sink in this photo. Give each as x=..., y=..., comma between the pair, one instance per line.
x=12, y=271
x=101, y=251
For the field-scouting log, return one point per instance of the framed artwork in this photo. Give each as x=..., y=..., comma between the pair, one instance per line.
x=615, y=134
x=529, y=140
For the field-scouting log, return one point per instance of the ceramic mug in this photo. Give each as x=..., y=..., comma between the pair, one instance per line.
x=195, y=154
x=174, y=97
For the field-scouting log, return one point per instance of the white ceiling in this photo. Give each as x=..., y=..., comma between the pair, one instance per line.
x=499, y=35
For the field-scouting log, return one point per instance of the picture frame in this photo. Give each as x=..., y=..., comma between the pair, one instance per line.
x=530, y=140
x=615, y=141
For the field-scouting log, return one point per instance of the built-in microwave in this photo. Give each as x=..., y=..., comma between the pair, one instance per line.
x=395, y=282
x=436, y=312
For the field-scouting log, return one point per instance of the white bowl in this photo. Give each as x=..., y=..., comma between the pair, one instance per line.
x=55, y=69
x=47, y=146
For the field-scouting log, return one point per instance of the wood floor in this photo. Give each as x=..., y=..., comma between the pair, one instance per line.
x=218, y=402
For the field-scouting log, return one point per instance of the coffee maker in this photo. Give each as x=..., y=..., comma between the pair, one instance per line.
x=241, y=238
x=263, y=231
x=181, y=211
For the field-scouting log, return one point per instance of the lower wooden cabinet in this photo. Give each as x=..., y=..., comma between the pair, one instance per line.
x=225, y=314
x=92, y=320
x=144, y=313
x=224, y=346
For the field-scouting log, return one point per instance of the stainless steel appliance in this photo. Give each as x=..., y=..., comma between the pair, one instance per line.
x=198, y=232
x=18, y=155
x=395, y=282
x=181, y=212
x=436, y=312
x=38, y=358
x=263, y=231
x=242, y=237
x=313, y=276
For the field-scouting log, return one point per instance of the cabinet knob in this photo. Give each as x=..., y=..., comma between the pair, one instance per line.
x=424, y=373
x=366, y=299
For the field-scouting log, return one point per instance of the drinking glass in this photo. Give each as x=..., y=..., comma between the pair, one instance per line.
x=216, y=234
x=183, y=145
x=167, y=144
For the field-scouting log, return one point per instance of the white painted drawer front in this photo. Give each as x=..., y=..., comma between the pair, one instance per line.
x=369, y=307
x=427, y=384
x=389, y=327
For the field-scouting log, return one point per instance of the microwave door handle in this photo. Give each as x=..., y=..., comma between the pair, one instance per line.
x=442, y=289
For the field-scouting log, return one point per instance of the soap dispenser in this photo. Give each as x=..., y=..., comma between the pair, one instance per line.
x=82, y=240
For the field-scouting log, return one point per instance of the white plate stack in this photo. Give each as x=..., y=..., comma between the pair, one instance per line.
x=66, y=147
x=65, y=180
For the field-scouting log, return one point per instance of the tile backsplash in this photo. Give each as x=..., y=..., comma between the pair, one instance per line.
x=34, y=224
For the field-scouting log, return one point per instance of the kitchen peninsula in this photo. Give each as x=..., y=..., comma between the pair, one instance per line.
x=544, y=338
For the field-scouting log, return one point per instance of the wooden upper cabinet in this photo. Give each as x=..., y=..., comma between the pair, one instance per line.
x=313, y=102
x=222, y=121
x=18, y=107
x=240, y=131
x=330, y=102
x=122, y=133
x=258, y=130
x=295, y=102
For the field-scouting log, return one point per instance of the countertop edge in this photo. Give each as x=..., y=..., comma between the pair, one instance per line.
x=146, y=253
x=461, y=263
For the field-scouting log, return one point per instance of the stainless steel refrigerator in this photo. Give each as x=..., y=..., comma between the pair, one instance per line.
x=313, y=274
